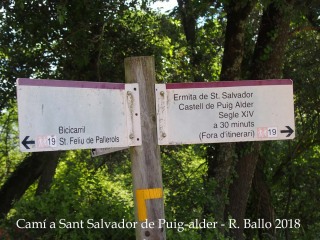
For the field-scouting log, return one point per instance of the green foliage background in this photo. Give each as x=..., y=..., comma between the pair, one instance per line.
x=81, y=40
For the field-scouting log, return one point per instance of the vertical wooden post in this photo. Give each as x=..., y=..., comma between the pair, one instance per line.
x=146, y=165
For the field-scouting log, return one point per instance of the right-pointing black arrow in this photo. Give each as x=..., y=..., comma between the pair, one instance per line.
x=289, y=131
x=25, y=142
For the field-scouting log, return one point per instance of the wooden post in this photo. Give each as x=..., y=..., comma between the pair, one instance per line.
x=146, y=165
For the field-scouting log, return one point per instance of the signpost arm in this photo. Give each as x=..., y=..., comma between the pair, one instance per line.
x=146, y=165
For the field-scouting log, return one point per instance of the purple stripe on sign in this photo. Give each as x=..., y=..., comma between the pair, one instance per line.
x=219, y=84
x=70, y=84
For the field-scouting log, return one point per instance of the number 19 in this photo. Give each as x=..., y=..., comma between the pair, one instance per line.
x=52, y=141
x=272, y=132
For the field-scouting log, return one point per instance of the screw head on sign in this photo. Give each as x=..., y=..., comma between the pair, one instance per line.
x=131, y=136
x=164, y=135
x=162, y=93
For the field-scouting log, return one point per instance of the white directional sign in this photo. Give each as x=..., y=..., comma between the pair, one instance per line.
x=63, y=115
x=102, y=151
x=190, y=113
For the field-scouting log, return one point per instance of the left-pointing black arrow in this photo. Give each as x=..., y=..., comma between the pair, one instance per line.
x=25, y=142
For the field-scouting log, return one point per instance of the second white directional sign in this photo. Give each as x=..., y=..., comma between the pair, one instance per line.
x=65, y=115
x=190, y=113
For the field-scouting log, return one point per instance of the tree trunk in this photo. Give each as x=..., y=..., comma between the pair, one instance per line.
x=25, y=174
x=262, y=196
x=47, y=175
x=271, y=44
x=237, y=16
x=240, y=187
x=189, y=23
x=220, y=157
x=267, y=63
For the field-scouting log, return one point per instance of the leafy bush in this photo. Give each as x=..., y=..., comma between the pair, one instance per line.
x=78, y=194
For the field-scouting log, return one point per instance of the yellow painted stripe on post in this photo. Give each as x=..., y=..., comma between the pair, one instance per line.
x=142, y=209
x=145, y=194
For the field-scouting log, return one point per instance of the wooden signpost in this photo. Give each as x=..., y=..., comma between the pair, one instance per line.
x=146, y=165
x=141, y=115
